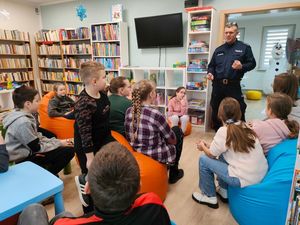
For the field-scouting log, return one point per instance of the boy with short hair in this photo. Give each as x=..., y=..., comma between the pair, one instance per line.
x=113, y=181
x=25, y=143
x=92, y=130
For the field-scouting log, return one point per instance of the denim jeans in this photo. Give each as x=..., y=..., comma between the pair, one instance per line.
x=207, y=168
x=36, y=214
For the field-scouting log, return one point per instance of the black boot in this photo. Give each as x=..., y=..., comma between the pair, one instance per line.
x=175, y=174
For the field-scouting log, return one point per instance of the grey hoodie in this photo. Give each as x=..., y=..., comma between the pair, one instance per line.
x=20, y=131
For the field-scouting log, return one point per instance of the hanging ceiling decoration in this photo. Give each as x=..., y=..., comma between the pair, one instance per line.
x=81, y=12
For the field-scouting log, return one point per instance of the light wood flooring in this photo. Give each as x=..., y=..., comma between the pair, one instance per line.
x=182, y=209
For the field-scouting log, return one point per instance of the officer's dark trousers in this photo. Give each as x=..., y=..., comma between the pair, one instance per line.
x=221, y=91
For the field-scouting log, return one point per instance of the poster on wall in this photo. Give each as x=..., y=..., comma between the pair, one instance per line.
x=117, y=13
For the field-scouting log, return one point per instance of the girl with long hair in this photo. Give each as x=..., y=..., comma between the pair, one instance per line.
x=235, y=156
x=148, y=132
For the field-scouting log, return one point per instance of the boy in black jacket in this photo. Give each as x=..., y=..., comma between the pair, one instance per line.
x=91, y=129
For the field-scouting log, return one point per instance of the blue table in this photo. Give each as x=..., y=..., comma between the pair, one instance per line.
x=27, y=183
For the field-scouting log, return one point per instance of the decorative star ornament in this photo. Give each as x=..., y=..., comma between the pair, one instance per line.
x=81, y=12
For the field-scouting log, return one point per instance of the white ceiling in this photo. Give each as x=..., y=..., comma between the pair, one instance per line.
x=42, y=2
x=266, y=15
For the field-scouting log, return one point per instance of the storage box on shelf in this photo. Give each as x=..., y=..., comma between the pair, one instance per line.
x=110, y=46
x=167, y=81
x=63, y=52
x=200, y=46
x=15, y=58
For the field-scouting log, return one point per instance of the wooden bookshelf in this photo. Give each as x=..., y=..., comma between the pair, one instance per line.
x=61, y=53
x=15, y=58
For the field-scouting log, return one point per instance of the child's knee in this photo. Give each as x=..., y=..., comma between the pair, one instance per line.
x=203, y=160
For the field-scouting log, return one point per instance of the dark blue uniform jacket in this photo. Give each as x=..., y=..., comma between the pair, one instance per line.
x=224, y=56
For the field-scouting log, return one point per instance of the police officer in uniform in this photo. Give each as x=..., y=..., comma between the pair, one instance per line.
x=227, y=67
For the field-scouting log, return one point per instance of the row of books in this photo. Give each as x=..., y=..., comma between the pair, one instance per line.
x=15, y=63
x=47, y=75
x=196, y=103
x=14, y=35
x=105, y=32
x=294, y=209
x=74, y=89
x=47, y=35
x=16, y=76
x=15, y=49
x=79, y=33
x=47, y=86
x=49, y=50
x=74, y=62
x=106, y=49
x=53, y=63
x=197, y=46
x=77, y=49
x=110, y=63
x=200, y=23
x=197, y=65
x=196, y=85
x=72, y=76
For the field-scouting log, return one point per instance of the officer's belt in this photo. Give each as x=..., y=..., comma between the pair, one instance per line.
x=227, y=81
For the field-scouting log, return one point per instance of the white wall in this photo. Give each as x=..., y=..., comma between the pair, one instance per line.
x=22, y=17
x=253, y=36
x=64, y=15
x=235, y=4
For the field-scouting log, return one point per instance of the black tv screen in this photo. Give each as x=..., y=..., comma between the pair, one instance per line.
x=159, y=31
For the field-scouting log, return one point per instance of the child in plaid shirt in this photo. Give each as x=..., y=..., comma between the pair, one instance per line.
x=148, y=132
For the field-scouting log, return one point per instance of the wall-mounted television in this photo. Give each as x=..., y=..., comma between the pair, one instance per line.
x=159, y=31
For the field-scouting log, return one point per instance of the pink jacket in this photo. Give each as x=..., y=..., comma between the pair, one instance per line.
x=176, y=107
x=270, y=132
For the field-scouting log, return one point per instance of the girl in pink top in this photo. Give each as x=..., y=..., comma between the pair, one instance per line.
x=277, y=127
x=177, y=109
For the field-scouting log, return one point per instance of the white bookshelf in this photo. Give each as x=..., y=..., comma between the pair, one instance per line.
x=167, y=80
x=111, y=58
x=201, y=43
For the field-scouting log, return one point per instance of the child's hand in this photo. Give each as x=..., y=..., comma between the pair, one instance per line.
x=66, y=143
x=250, y=124
x=201, y=144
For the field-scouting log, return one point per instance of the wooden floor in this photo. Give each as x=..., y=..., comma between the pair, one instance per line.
x=182, y=209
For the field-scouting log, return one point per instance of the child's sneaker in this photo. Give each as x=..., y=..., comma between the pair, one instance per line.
x=222, y=193
x=80, y=184
x=211, y=202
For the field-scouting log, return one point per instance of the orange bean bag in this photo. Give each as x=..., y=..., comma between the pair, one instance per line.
x=154, y=175
x=188, y=130
x=63, y=128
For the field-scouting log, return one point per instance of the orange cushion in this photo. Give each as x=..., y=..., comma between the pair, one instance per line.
x=63, y=128
x=154, y=175
x=188, y=130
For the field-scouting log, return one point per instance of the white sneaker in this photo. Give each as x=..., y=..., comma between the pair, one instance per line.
x=211, y=202
x=222, y=194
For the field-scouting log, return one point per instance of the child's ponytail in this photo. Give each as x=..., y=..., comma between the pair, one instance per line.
x=239, y=137
x=136, y=112
x=141, y=91
x=293, y=127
